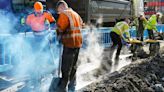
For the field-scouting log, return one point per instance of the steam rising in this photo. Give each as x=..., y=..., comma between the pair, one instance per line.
x=30, y=56
x=90, y=56
x=33, y=56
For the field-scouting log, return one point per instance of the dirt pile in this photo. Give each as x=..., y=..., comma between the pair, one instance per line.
x=145, y=75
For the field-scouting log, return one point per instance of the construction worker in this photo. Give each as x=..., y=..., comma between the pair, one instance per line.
x=38, y=20
x=117, y=35
x=151, y=27
x=140, y=24
x=152, y=23
x=69, y=28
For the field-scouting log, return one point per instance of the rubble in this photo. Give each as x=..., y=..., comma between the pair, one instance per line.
x=144, y=75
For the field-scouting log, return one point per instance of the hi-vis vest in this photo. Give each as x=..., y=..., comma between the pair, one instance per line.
x=152, y=23
x=120, y=28
x=72, y=36
x=37, y=23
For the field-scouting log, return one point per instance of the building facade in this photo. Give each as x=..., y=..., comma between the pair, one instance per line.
x=153, y=6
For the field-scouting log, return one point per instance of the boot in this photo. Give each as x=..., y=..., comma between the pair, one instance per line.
x=71, y=86
x=117, y=57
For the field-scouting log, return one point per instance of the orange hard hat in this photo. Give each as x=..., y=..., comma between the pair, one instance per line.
x=38, y=6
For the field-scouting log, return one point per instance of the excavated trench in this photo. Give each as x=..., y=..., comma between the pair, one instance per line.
x=143, y=75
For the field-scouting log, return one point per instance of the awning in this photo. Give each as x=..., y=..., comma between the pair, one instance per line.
x=150, y=13
x=154, y=4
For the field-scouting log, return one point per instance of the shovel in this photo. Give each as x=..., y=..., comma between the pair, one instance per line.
x=56, y=79
x=146, y=41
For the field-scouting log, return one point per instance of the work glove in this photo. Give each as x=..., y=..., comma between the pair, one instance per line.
x=53, y=26
x=47, y=24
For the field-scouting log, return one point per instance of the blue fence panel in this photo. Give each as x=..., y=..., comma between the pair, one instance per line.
x=132, y=32
x=1, y=55
x=160, y=28
x=105, y=36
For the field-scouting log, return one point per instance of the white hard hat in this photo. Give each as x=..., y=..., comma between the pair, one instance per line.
x=160, y=14
x=141, y=14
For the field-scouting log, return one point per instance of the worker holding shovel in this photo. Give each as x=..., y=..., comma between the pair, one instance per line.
x=152, y=29
x=69, y=30
x=117, y=35
x=140, y=23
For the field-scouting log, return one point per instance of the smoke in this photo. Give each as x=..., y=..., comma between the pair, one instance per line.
x=91, y=55
x=31, y=56
x=7, y=22
x=94, y=58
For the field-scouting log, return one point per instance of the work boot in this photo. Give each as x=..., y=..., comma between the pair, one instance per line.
x=71, y=86
x=72, y=89
x=117, y=57
x=60, y=89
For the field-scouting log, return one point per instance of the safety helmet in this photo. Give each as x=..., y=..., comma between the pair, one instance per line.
x=141, y=14
x=38, y=7
x=160, y=14
x=127, y=20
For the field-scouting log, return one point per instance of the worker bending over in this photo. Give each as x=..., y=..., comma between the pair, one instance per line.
x=69, y=28
x=152, y=28
x=140, y=23
x=152, y=23
x=117, y=35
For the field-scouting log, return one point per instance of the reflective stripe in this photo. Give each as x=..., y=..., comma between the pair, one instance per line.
x=119, y=26
x=81, y=21
x=71, y=35
x=76, y=28
x=71, y=21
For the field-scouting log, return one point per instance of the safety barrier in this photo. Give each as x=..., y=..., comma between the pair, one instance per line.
x=6, y=59
x=103, y=35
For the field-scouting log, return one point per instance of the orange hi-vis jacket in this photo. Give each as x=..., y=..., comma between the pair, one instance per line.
x=69, y=25
x=37, y=23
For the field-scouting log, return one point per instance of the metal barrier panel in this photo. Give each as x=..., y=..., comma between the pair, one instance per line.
x=4, y=53
x=160, y=28
x=102, y=33
x=1, y=54
x=105, y=37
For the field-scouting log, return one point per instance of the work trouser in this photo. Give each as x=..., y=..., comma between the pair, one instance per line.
x=151, y=34
x=140, y=34
x=152, y=47
x=40, y=41
x=68, y=68
x=116, y=39
x=41, y=55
